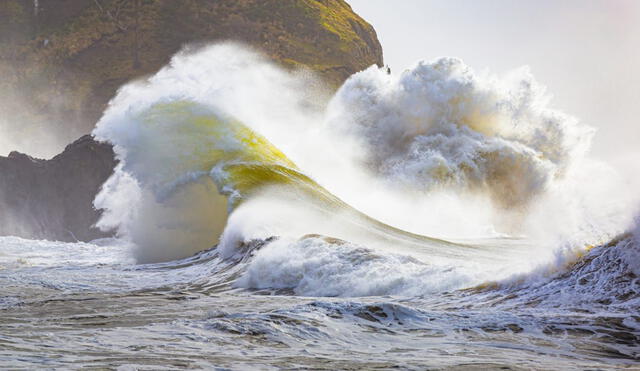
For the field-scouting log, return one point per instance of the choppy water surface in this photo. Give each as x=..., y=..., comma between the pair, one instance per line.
x=72, y=305
x=362, y=189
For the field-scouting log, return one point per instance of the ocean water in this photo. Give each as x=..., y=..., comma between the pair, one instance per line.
x=434, y=219
x=72, y=305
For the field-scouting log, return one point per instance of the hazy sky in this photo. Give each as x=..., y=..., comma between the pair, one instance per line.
x=586, y=52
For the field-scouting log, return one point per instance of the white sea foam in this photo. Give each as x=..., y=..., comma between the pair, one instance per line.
x=437, y=150
x=317, y=266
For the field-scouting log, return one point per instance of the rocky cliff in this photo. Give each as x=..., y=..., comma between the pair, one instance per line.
x=62, y=60
x=52, y=199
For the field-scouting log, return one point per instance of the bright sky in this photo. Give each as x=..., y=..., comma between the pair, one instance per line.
x=586, y=52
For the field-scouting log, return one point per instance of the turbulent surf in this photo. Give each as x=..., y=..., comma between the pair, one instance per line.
x=434, y=217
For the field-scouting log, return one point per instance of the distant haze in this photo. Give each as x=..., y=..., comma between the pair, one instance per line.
x=586, y=52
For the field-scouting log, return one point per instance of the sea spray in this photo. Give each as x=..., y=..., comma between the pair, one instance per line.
x=443, y=144
x=500, y=151
x=439, y=125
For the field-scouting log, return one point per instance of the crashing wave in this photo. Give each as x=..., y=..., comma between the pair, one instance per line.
x=207, y=158
x=439, y=125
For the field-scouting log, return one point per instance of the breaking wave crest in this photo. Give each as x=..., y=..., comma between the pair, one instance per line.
x=221, y=148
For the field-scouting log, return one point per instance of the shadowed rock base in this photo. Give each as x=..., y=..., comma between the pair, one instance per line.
x=53, y=199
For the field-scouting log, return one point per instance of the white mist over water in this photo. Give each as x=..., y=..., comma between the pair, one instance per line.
x=27, y=132
x=439, y=126
x=458, y=154
x=437, y=150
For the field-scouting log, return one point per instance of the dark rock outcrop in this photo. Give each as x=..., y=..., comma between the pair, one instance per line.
x=53, y=199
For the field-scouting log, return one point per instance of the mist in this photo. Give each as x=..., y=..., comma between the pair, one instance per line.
x=28, y=130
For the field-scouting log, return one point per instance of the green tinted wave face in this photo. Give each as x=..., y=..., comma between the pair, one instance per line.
x=184, y=137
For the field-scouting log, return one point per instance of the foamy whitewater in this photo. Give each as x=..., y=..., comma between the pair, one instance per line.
x=434, y=218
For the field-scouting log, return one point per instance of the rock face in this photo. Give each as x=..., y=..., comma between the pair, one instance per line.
x=66, y=58
x=53, y=199
x=61, y=61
